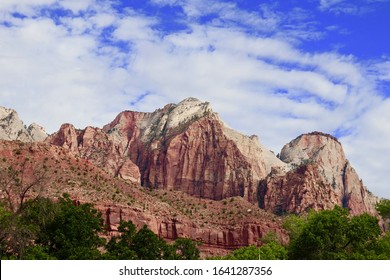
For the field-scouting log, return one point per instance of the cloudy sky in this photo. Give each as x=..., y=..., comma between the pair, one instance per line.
x=272, y=68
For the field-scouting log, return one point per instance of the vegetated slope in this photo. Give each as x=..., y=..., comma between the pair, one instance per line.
x=219, y=225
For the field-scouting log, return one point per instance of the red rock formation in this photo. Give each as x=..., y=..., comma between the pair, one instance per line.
x=212, y=237
x=320, y=177
x=187, y=147
x=99, y=148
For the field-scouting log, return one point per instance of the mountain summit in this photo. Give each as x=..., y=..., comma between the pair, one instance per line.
x=12, y=128
x=187, y=147
x=183, y=172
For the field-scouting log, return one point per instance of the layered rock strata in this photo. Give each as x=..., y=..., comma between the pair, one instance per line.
x=183, y=147
x=320, y=177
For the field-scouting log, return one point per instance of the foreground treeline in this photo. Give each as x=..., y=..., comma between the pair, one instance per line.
x=47, y=229
x=325, y=235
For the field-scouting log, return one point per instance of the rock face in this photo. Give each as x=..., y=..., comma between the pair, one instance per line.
x=182, y=149
x=187, y=147
x=212, y=237
x=320, y=177
x=219, y=225
x=99, y=148
x=12, y=128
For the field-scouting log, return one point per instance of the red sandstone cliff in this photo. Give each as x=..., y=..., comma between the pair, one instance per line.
x=219, y=225
x=187, y=147
x=182, y=147
x=99, y=148
x=320, y=177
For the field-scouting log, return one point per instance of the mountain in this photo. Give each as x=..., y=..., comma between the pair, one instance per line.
x=187, y=147
x=12, y=128
x=320, y=177
x=184, y=173
x=219, y=225
x=182, y=147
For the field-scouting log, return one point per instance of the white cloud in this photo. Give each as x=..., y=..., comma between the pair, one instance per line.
x=134, y=27
x=26, y=7
x=325, y=4
x=75, y=70
x=368, y=148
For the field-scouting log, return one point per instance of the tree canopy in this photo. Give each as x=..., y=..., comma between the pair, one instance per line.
x=46, y=229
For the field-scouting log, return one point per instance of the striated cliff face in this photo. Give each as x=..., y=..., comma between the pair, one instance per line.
x=99, y=148
x=12, y=128
x=191, y=162
x=320, y=177
x=219, y=225
x=187, y=147
x=170, y=224
x=182, y=147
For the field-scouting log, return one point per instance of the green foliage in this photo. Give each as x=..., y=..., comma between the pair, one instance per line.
x=294, y=226
x=119, y=247
x=44, y=229
x=383, y=207
x=332, y=234
x=186, y=249
x=74, y=232
x=251, y=252
x=382, y=247
x=149, y=246
x=146, y=245
x=15, y=235
x=273, y=251
x=269, y=251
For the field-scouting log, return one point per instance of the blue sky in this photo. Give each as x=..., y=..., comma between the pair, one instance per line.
x=272, y=68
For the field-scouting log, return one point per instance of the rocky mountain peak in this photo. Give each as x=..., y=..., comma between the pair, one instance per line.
x=319, y=176
x=312, y=146
x=37, y=132
x=12, y=128
x=187, y=110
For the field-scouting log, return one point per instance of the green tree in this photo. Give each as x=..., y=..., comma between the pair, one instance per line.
x=15, y=235
x=294, y=226
x=143, y=244
x=74, y=232
x=382, y=247
x=186, y=249
x=120, y=247
x=148, y=246
x=332, y=234
x=383, y=207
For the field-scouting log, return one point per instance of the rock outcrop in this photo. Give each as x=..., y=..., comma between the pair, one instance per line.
x=181, y=147
x=12, y=128
x=219, y=225
x=99, y=148
x=320, y=177
x=190, y=162
x=187, y=147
